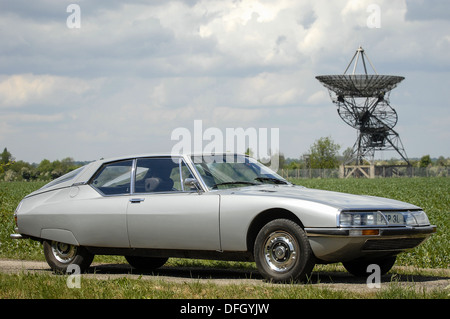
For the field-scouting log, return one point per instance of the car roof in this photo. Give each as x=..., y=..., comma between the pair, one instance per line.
x=87, y=171
x=124, y=157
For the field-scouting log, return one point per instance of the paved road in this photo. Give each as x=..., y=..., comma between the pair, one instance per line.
x=435, y=278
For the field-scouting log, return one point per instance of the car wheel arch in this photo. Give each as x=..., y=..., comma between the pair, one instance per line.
x=59, y=235
x=265, y=217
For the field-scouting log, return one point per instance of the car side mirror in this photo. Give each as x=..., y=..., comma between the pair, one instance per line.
x=192, y=183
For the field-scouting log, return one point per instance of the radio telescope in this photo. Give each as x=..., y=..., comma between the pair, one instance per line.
x=363, y=103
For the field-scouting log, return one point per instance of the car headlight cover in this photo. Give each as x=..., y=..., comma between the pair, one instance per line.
x=420, y=218
x=378, y=218
x=351, y=219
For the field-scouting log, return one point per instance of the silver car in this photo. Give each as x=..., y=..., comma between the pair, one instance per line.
x=229, y=207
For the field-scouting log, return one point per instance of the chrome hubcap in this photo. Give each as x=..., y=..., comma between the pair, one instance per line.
x=64, y=253
x=280, y=251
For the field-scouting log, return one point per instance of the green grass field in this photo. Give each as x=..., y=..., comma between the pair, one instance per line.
x=432, y=194
x=48, y=286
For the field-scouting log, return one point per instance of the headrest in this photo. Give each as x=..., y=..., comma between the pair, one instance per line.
x=152, y=183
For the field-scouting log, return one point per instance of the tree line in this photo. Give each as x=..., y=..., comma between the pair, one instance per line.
x=18, y=170
x=322, y=154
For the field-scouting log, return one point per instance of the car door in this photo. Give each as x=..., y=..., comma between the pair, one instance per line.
x=100, y=218
x=162, y=214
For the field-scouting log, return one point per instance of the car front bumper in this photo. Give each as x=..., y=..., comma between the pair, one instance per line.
x=344, y=244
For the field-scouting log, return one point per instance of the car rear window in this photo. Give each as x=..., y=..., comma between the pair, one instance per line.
x=67, y=177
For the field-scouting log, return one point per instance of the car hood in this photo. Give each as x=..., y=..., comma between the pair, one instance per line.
x=338, y=200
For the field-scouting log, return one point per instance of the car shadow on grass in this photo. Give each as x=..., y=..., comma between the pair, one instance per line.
x=189, y=272
x=235, y=275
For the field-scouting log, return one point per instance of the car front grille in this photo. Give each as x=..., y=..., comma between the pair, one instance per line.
x=392, y=244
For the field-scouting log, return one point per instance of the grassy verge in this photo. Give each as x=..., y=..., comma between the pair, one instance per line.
x=48, y=286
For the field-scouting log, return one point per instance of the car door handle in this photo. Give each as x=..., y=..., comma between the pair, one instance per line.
x=137, y=200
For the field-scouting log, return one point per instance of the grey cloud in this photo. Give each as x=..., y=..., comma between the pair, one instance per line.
x=145, y=64
x=428, y=10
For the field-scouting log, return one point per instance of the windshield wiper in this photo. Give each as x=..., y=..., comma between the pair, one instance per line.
x=271, y=179
x=234, y=182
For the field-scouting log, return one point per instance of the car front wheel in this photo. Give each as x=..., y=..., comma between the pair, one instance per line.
x=60, y=256
x=282, y=252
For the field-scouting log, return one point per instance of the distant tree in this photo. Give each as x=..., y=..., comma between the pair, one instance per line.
x=294, y=165
x=26, y=173
x=6, y=160
x=57, y=172
x=44, y=166
x=12, y=170
x=10, y=176
x=324, y=153
x=6, y=156
x=441, y=161
x=425, y=161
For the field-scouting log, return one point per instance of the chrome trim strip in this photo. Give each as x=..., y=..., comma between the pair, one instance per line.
x=181, y=173
x=79, y=184
x=196, y=174
x=133, y=175
x=16, y=236
x=384, y=231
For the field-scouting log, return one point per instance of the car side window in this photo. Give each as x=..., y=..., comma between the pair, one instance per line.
x=179, y=174
x=160, y=175
x=113, y=178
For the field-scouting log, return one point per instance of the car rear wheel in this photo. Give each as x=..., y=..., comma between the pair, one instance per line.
x=60, y=256
x=282, y=252
x=359, y=268
x=146, y=263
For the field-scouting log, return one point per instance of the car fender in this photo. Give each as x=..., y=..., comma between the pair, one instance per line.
x=60, y=235
x=237, y=213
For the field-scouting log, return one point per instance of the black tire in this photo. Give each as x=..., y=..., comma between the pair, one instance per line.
x=359, y=268
x=146, y=263
x=60, y=256
x=282, y=252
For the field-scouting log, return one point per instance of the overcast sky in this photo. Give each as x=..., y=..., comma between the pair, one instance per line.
x=131, y=72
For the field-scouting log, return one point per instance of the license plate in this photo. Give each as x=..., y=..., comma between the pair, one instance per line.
x=394, y=218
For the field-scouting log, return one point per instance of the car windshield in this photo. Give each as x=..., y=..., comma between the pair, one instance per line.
x=225, y=171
